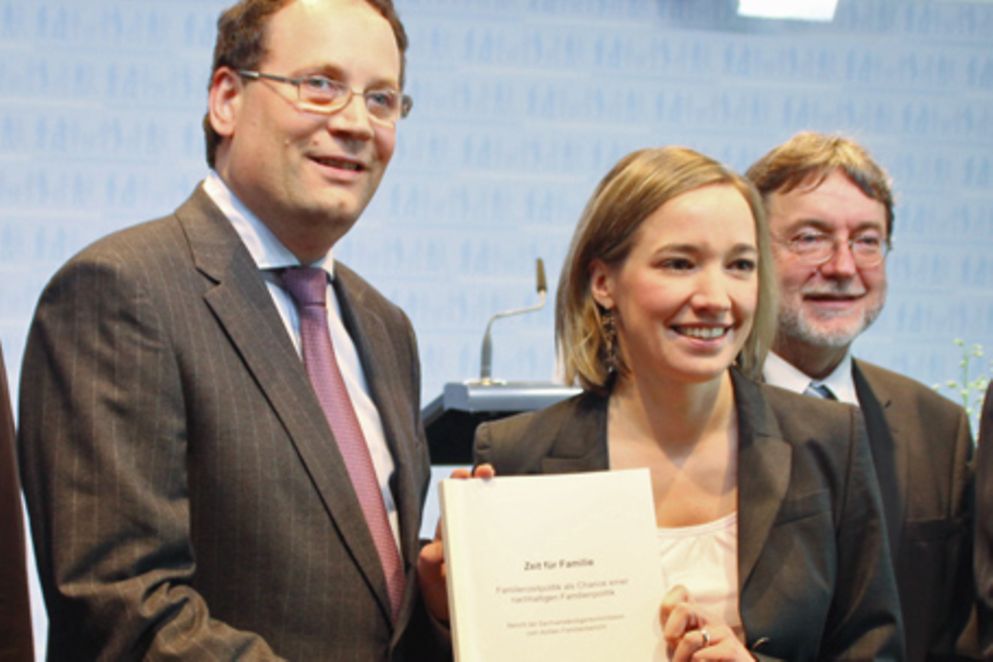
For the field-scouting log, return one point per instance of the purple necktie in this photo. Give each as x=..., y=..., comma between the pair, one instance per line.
x=308, y=287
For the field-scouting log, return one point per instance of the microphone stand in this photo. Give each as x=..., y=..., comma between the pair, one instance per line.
x=486, y=355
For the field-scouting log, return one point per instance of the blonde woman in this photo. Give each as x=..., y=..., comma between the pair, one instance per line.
x=770, y=534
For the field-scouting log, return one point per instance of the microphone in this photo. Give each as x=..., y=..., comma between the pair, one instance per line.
x=486, y=355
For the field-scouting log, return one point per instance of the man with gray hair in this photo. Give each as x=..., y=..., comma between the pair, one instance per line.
x=830, y=212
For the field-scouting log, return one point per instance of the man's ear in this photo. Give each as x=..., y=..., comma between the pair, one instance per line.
x=224, y=101
x=602, y=284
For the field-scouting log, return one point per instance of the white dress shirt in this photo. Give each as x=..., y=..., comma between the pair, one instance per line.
x=785, y=375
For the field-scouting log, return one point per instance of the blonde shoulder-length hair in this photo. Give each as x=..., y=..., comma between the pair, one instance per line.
x=640, y=183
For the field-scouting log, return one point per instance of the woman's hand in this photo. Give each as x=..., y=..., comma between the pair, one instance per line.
x=689, y=636
x=431, y=560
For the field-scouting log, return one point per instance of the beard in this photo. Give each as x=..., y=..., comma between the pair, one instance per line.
x=796, y=326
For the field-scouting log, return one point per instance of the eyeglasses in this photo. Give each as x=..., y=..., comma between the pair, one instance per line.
x=815, y=248
x=320, y=94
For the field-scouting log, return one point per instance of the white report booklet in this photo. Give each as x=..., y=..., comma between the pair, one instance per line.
x=561, y=567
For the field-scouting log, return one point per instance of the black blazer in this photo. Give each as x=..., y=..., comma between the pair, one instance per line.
x=813, y=569
x=187, y=498
x=984, y=526
x=921, y=450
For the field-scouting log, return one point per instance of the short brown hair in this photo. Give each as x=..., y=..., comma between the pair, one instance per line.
x=639, y=184
x=241, y=45
x=809, y=157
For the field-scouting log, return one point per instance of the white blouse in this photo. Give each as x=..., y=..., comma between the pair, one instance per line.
x=704, y=559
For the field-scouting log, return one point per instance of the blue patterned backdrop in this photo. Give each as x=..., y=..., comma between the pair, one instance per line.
x=520, y=107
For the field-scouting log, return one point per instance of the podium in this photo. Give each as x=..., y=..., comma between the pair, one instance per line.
x=450, y=419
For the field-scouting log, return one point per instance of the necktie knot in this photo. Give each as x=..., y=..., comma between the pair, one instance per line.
x=307, y=285
x=820, y=390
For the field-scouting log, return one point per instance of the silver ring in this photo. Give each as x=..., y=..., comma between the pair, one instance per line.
x=706, y=637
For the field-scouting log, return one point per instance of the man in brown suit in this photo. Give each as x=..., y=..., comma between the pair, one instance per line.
x=190, y=494
x=831, y=219
x=15, y=610
x=984, y=525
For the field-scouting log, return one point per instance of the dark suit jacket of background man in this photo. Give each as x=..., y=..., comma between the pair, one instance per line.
x=186, y=495
x=15, y=609
x=922, y=449
x=810, y=505
x=984, y=525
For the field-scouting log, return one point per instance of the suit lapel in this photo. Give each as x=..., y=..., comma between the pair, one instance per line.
x=581, y=438
x=888, y=457
x=372, y=341
x=245, y=310
x=764, y=467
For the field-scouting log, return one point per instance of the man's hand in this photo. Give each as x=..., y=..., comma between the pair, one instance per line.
x=431, y=560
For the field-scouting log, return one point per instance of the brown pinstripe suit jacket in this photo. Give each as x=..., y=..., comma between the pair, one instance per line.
x=984, y=525
x=814, y=576
x=15, y=611
x=186, y=495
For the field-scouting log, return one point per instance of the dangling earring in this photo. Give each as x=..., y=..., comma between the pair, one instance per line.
x=609, y=331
